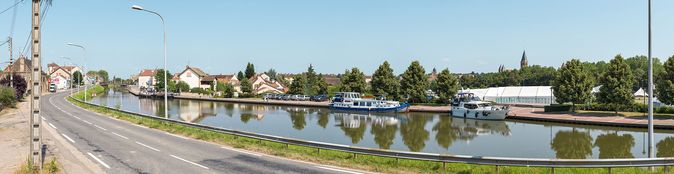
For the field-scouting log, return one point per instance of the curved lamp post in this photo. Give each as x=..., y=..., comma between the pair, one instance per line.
x=136, y=7
x=85, y=64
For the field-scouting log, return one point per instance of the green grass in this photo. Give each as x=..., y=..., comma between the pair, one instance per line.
x=98, y=90
x=337, y=158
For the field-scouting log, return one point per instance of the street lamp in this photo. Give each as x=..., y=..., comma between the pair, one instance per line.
x=85, y=64
x=651, y=148
x=136, y=7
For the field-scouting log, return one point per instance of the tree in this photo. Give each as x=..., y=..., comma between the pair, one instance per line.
x=665, y=84
x=77, y=78
x=240, y=76
x=572, y=83
x=297, y=86
x=384, y=82
x=246, y=87
x=446, y=85
x=616, y=84
x=19, y=83
x=414, y=83
x=271, y=73
x=182, y=86
x=103, y=75
x=159, y=76
x=537, y=75
x=250, y=70
x=353, y=81
x=225, y=89
x=311, y=85
x=322, y=85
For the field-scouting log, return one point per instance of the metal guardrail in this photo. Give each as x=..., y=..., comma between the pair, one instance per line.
x=445, y=158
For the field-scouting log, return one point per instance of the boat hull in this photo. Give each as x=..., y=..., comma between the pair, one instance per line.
x=402, y=108
x=480, y=114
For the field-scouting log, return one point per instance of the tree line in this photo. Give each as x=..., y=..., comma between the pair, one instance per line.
x=618, y=79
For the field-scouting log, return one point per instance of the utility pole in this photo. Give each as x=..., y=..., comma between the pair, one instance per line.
x=36, y=77
x=11, y=63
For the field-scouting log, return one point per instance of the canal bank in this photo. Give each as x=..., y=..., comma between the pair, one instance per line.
x=517, y=113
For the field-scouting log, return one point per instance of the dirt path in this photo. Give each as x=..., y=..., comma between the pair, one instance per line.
x=13, y=137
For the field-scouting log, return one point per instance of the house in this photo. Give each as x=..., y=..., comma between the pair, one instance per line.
x=60, y=81
x=227, y=79
x=262, y=83
x=22, y=67
x=146, y=78
x=59, y=77
x=195, y=77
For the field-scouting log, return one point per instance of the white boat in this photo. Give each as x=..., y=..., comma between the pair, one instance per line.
x=351, y=101
x=466, y=105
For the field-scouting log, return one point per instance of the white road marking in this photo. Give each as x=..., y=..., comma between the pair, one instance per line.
x=147, y=146
x=119, y=135
x=44, y=119
x=77, y=117
x=177, y=136
x=86, y=121
x=99, y=160
x=338, y=170
x=241, y=151
x=100, y=127
x=189, y=162
x=52, y=126
x=69, y=139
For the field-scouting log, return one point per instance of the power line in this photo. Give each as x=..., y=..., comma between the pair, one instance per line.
x=17, y=3
x=30, y=35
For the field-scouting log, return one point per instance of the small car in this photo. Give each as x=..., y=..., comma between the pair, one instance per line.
x=319, y=98
x=52, y=87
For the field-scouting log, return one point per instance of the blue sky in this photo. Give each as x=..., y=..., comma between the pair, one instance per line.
x=220, y=36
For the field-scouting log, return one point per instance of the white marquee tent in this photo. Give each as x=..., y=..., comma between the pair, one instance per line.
x=515, y=94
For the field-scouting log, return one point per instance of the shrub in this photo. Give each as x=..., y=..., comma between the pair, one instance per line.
x=19, y=84
x=558, y=108
x=7, y=97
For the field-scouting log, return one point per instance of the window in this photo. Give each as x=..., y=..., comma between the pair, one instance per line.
x=189, y=74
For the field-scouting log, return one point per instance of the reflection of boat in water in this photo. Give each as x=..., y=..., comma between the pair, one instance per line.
x=466, y=105
x=349, y=120
x=468, y=129
x=351, y=101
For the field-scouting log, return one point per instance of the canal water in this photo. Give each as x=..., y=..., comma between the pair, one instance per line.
x=417, y=132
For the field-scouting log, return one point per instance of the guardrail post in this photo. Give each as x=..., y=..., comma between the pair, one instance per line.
x=354, y=155
x=444, y=165
x=609, y=170
x=552, y=170
x=319, y=150
x=496, y=168
x=287, y=146
x=666, y=169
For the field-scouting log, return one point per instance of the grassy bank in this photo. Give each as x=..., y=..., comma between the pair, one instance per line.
x=98, y=90
x=337, y=158
x=51, y=166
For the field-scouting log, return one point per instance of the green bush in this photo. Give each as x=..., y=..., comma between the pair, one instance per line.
x=7, y=98
x=634, y=107
x=200, y=91
x=558, y=108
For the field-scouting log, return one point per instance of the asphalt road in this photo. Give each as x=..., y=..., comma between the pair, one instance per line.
x=121, y=147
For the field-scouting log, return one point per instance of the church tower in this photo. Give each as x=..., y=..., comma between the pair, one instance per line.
x=524, y=62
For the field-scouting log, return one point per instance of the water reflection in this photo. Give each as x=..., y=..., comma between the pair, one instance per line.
x=423, y=132
x=572, y=144
x=665, y=147
x=613, y=145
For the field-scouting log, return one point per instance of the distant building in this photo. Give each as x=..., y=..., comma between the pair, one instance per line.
x=196, y=78
x=227, y=79
x=146, y=78
x=433, y=75
x=262, y=83
x=22, y=67
x=524, y=62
